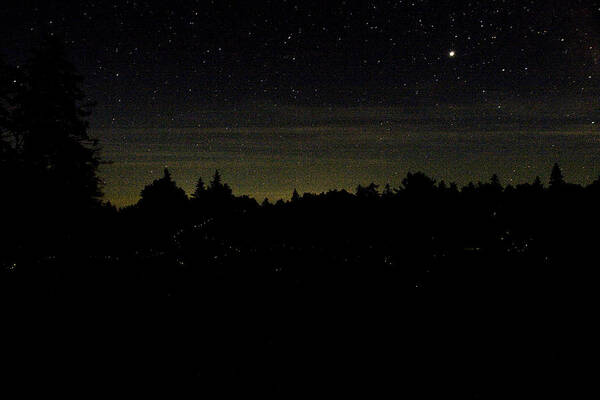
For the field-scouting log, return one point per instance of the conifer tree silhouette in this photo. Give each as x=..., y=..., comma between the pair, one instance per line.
x=219, y=189
x=367, y=192
x=495, y=183
x=556, y=177
x=418, y=183
x=295, y=196
x=51, y=130
x=200, y=189
x=163, y=193
x=216, y=180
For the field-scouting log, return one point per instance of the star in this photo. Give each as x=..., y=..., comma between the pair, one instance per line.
x=452, y=53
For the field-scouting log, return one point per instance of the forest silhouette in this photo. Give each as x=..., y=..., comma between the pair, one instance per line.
x=424, y=289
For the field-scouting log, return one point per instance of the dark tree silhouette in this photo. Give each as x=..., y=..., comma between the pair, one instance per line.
x=495, y=183
x=48, y=161
x=367, y=192
x=295, y=196
x=163, y=193
x=217, y=189
x=556, y=177
x=200, y=189
x=418, y=183
x=51, y=131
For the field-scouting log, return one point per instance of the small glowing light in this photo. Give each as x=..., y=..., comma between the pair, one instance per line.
x=452, y=53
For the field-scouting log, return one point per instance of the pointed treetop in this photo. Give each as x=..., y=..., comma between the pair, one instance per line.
x=216, y=180
x=162, y=191
x=556, y=176
x=200, y=188
x=295, y=195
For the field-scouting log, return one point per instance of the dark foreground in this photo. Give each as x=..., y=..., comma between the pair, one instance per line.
x=440, y=294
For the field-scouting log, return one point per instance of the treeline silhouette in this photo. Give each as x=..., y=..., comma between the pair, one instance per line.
x=424, y=289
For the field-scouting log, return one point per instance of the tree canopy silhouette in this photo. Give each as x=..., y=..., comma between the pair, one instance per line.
x=48, y=161
x=50, y=130
x=163, y=193
x=418, y=183
x=556, y=177
x=367, y=192
x=219, y=189
x=295, y=196
x=200, y=189
x=495, y=183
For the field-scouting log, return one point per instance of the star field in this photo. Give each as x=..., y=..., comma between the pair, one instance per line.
x=393, y=67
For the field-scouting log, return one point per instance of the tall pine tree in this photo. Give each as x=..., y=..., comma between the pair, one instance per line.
x=556, y=177
x=50, y=128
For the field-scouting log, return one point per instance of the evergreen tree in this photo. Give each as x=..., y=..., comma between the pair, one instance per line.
x=418, y=183
x=495, y=183
x=295, y=196
x=200, y=189
x=215, y=183
x=163, y=193
x=556, y=177
x=51, y=131
x=219, y=189
x=367, y=192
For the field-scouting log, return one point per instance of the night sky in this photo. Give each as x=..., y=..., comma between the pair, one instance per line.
x=318, y=95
